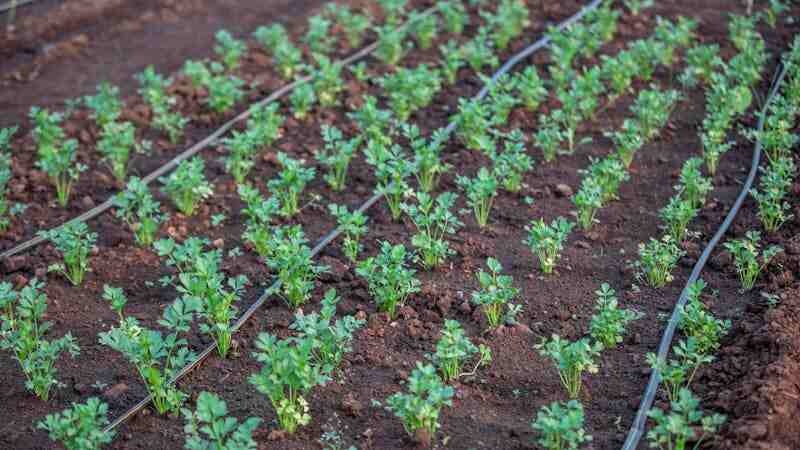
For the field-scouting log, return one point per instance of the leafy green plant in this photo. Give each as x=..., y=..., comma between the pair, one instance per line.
x=375, y=123
x=702, y=61
x=274, y=39
x=561, y=426
x=389, y=279
x=319, y=37
x=434, y=222
x=224, y=91
x=657, y=258
x=588, y=200
x=636, y=6
x=698, y=323
x=353, y=226
x=290, y=183
x=677, y=215
x=229, y=49
x=479, y=52
x=684, y=424
x=547, y=241
x=393, y=10
x=454, y=349
x=199, y=74
x=511, y=164
x=327, y=80
x=571, y=360
x=502, y=98
x=474, y=124
x=57, y=156
x=79, y=427
x=157, y=357
x=609, y=321
x=105, y=105
x=608, y=173
x=117, y=141
x=530, y=87
x=392, y=170
x=75, y=242
x=136, y=206
x=454, y=16
x=302, y=100
x=187, y=185
x=549, y=138
x=693, y=185
x=153, y=88
x=652, y=109
x=330, y=340
x=425, y=28
x=508, y=22
x=209, y=427
x=336, y=155
x=749, y=263
x=353, y=24
x=6, y=211
x=712, y=151
x=410, y=89
x=391, y=44
x=419, y=409
x=23, y=331
x=290, y=257
x=481, y=192
x=259, y=213
x=288, y=373
x=452, y=61
x=495, y=294
x=619, y=72
x=775, y=183
x=428, y=165
x=627, y=141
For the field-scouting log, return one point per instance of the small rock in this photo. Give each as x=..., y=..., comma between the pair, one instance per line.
x=351, y=406
x=115, y=391
x=87, y=202
x=563, y=190
x=582, y=244
x=218, y=243
x=277, y=435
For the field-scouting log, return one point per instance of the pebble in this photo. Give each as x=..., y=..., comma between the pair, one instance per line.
x=563, y=190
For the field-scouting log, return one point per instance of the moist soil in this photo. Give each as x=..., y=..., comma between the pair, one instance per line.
x=492, y=409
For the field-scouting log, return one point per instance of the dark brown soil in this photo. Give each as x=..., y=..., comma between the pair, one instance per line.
x=492, y=410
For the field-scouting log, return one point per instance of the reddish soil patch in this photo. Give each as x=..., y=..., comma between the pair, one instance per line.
x=492, y=410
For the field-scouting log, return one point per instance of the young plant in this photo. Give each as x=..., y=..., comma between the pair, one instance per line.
x=290, y=183
x=187, y=186
x=336, y=155
x=330, y=340
x=502, y=98
x=608, y=323
x=302, y=100
x=393, y=11
x=571, y=360
x=392, y=170
x=561, y=426
x=434, y=222
x=229, y=49
x=290, y=257
x=288, y=373
x=698, y=323
x=391, y=46
x=353, y=24
x=319, y=38
x=657, y=259
x=474, y=124
x=274, y=39
x=79, y=427
x=353, y=226
x=23, y=333
x=105, y=105
x=224, y=92
x=454, y=349
x=452, y=61
x=209, y=427
x=454, y=16
x=693, y=185
x=619, y=72
x=157, y=358
x=375, y=123
x=6, y=210
x=775, y=183
x=479, y=52
x=684, y=424
x=712, y=151
x=627, y=141
x=508, y=22
x=677, y=215
x=652, y=109
x=327, y=80
x=549, y=138
x=746, y=257
x=428, y=165
x=425, y=28
x=419, y=408
x=702, y=61
x=481, y=192
x=154, y=91
x=636, y=6
x=117, y=141
x=588, y=200
x=608, y=173
x=74, y=241
x=547, y=241
x=530, y=88
x=136, y=206
x=410, y=90
x=495, y=294
x=57, y=156
x=389, y=279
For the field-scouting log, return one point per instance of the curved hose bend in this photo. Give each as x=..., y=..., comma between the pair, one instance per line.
x=327, y=239
x=639, y=423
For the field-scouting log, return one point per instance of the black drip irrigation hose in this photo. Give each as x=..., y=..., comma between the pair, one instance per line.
x=327, y=239
x=638, y=426
x=206, y=142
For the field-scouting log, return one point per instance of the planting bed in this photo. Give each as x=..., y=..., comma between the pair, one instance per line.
x=494, y=408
